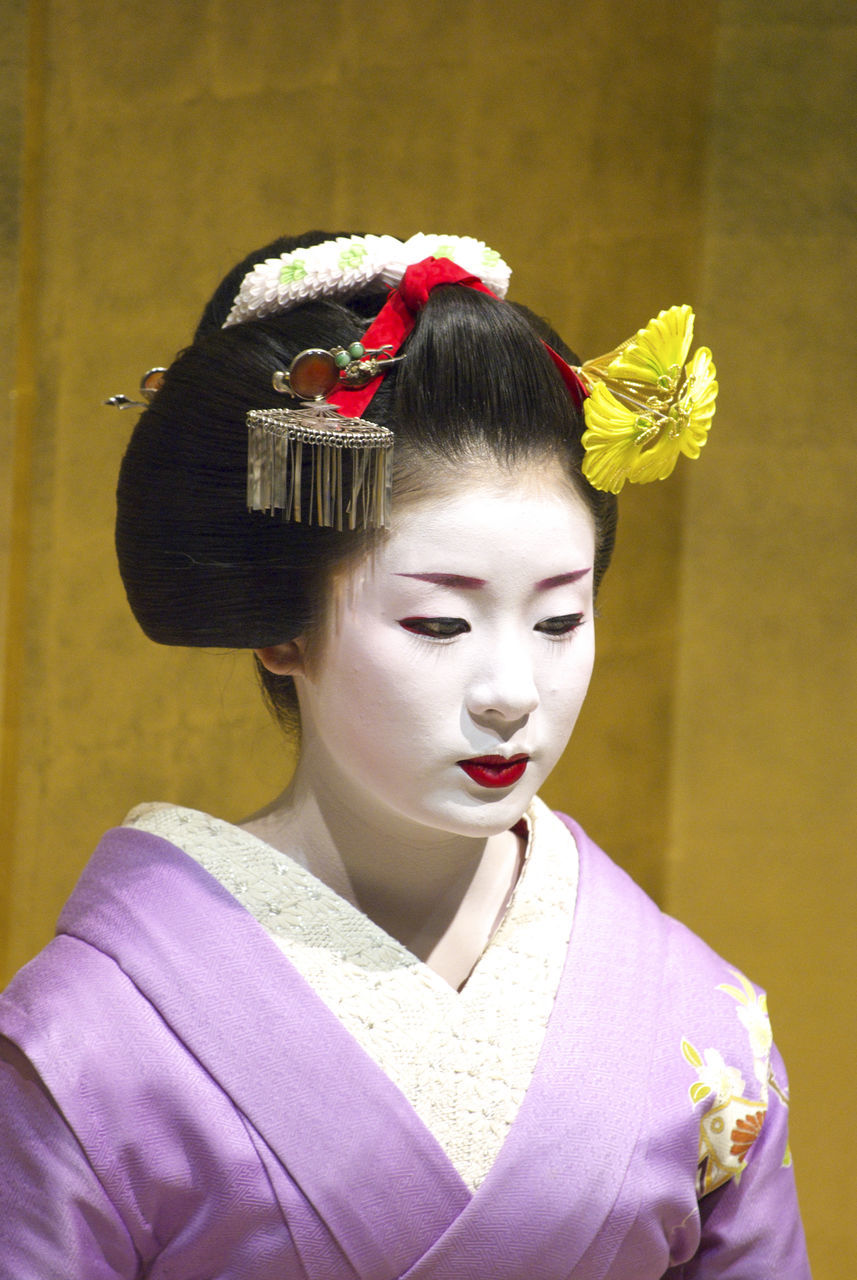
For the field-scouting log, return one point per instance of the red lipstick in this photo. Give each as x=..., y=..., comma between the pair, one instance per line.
x=495, y=771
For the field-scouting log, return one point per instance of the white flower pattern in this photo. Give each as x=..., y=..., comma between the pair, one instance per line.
x=724, y=1082
x=733, y=1121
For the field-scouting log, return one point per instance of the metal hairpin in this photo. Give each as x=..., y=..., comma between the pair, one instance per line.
x=150, y=385
x=315, y=372
x=313, y=464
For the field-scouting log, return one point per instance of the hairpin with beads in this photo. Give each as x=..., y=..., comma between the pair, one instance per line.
x=315, y=373
x=341, y=449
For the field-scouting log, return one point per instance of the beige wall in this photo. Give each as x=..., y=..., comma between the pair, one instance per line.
x=764, y=781
x=619, y=168
x=15, y=107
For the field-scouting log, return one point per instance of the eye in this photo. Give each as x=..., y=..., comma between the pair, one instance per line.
x=562, y=625
x=435, y=628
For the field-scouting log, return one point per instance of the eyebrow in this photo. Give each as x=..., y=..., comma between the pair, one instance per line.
x=447, y=580
x=460, y=582
x=561, y=580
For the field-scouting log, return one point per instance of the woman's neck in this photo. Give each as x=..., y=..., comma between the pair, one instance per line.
x=441, y=895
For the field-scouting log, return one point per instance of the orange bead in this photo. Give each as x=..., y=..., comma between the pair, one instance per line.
x=313, y=374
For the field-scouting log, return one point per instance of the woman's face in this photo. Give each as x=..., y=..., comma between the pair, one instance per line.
x=455, y=658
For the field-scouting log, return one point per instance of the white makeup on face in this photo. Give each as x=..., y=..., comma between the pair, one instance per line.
x=456, y=657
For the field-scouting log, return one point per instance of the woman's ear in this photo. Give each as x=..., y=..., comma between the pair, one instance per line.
x=288, y=659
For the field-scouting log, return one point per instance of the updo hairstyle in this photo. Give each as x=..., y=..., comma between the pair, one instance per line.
x=200, y=569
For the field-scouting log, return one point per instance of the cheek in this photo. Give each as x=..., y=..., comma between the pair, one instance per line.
x=368, y=692
x=565, y=687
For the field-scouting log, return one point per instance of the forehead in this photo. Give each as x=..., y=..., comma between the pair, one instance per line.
x=482, y=497
x=493, y=526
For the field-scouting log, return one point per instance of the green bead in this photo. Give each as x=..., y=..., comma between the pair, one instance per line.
x=342, y=359
x=356, y=350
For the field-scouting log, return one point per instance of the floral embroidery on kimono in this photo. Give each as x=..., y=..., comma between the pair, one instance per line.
x=730, y=1127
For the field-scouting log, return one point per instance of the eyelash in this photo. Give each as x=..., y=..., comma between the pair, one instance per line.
x=563, y=625
x=448, y=628
x=436, y=628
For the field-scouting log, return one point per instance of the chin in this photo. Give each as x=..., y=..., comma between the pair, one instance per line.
x=486, y=817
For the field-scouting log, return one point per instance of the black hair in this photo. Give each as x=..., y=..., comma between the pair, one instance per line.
x=200, y=569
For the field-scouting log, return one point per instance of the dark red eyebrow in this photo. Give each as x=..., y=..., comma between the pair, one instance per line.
x=454, y=580
x=561, y=580
x=460, y=582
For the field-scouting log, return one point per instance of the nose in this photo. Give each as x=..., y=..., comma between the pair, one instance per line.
x=503, y=689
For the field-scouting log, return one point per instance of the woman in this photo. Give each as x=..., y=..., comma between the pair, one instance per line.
x=404, y=1020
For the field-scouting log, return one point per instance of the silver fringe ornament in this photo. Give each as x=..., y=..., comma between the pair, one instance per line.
x=315, y=466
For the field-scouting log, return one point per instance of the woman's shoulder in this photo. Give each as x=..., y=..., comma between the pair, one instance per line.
x=76, y=975
x=712, y=1038
x=609, y=890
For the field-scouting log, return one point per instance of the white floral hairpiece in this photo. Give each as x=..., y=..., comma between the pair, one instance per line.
x=345, y=266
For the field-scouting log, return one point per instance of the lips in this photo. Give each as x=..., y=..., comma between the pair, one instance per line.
x=495, y=771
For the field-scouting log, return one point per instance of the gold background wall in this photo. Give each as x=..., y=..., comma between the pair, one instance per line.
x=622, y=158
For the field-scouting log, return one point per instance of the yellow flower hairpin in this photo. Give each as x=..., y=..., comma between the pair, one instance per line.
x=646, y=405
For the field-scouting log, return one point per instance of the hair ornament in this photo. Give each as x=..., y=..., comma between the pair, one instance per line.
x=315, y=373
x=281, y=440
x=647, y=404
x=150, y=385
x=348, y=265
x=301, y=462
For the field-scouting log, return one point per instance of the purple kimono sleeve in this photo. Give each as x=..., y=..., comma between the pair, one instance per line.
x=752, y=1227
x=56, y=1220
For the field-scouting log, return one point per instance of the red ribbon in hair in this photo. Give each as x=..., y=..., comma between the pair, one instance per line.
x=396, y=320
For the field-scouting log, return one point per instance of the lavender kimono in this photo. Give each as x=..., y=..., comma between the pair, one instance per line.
x=177, y=1103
